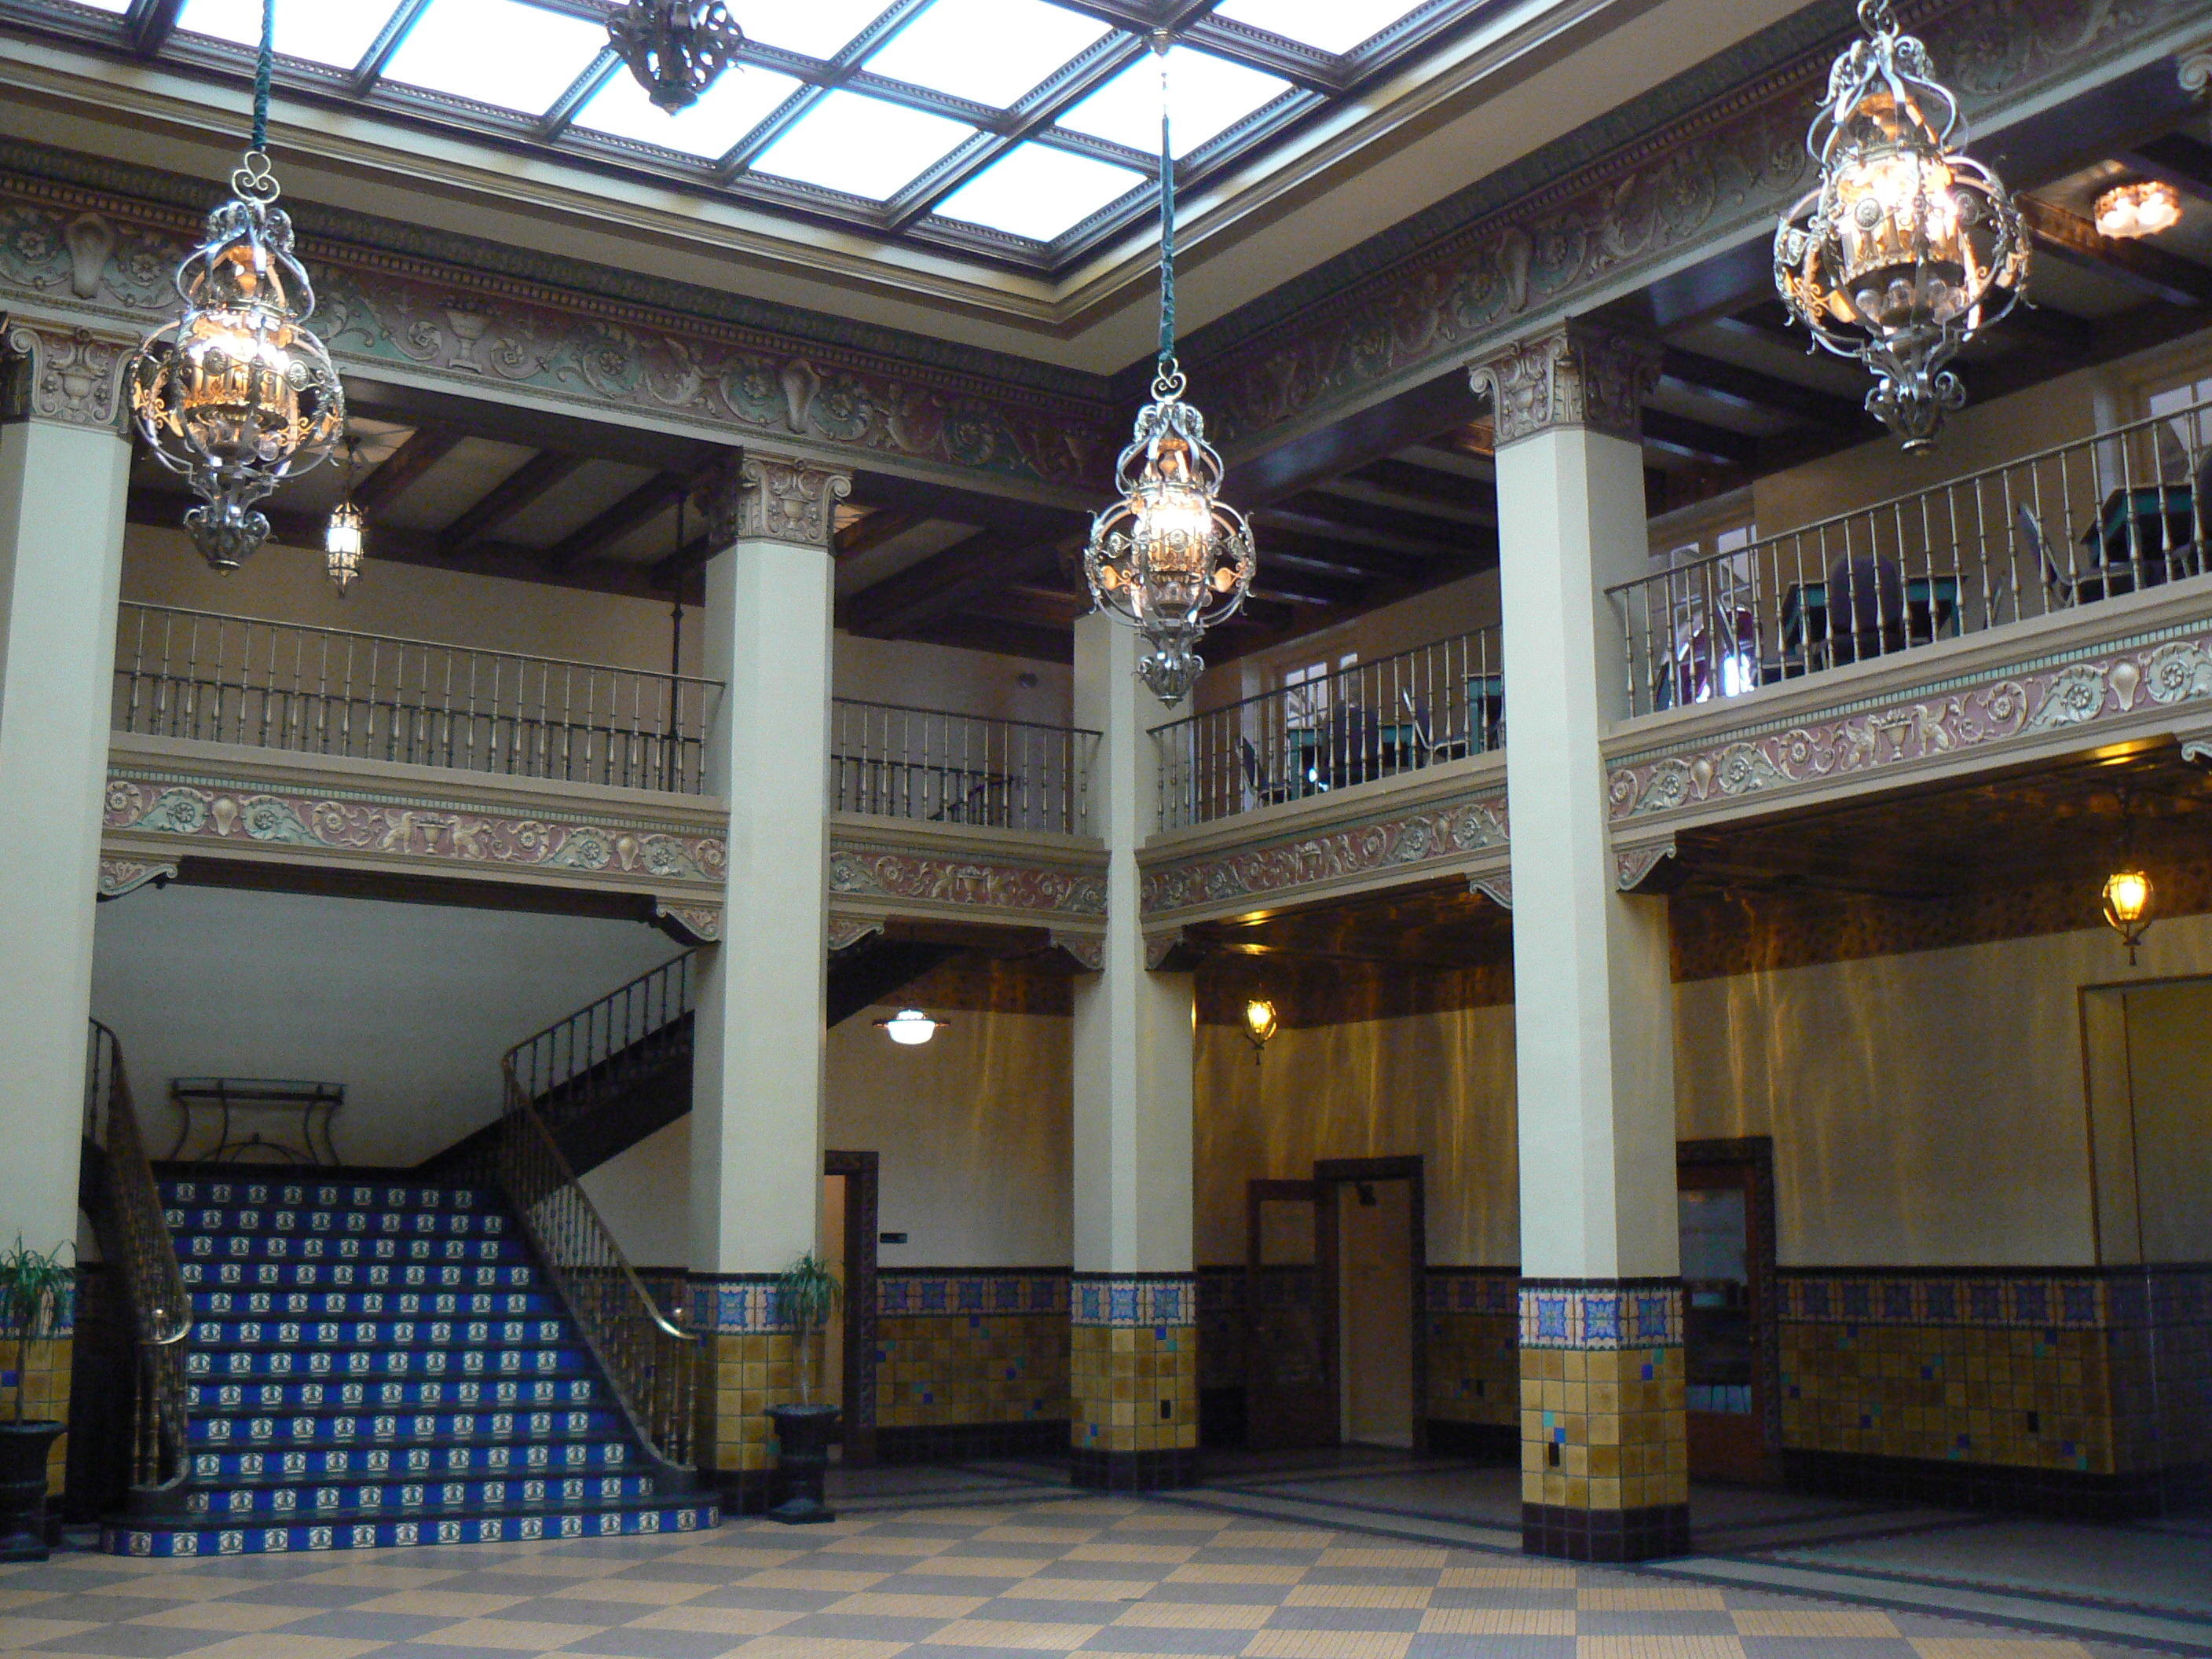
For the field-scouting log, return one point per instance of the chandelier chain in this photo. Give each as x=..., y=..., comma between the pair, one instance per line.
x=1167, y=222
x=265, y=71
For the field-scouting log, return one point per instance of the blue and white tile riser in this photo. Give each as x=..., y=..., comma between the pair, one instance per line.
x=375, y=1364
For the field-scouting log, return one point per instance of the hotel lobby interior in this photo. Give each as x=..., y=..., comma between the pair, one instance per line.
x=1310, y=828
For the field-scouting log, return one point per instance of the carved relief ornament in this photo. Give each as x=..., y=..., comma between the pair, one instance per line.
x=67, y=376
x=1574, y=375
x=756, y=497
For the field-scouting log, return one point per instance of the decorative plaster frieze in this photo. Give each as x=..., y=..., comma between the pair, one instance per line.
x=1497, y=887
x=692, y=923
x=1577, y=375
x=1406, y=840
x=1026, y=891
x=2088, y=694
x=756, y=497
x=65, y=375
x=1088, y=950
x=121, y=876
x=1159, y=946
x=1633, y=865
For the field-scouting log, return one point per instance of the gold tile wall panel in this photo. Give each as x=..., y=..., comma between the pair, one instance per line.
x=1474, y=1367
x=1604, y=1429
x=1122, y=1376
x=749, y=1374
x=989, y=1368
x=45, y=1391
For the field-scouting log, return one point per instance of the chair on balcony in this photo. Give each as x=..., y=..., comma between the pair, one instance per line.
x=1265, y=791
x=1865, y=608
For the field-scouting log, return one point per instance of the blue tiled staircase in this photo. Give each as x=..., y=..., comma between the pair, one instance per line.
x=375, y=1361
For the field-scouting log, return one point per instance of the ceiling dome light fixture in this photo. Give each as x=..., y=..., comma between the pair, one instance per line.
x=237, y=395
x=1908, y=248
x=675, y=48
x=1170, y=558
x=346, y=538
x=911, y=1028
x=2139, y=210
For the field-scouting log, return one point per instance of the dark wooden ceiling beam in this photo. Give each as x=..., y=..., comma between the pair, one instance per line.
x=2179, y=160
x=1394, y=527
x=1016, y=542
x=2133, y=264
x=1768, y=394
x=1425, y=487
x=641, y=505
x=424, y=449
x=1697, y=440
x=873, y=530
x=527, y=484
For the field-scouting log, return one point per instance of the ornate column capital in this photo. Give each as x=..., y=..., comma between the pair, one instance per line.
x=1578, y=374
x=754, y=496
x=69, y=376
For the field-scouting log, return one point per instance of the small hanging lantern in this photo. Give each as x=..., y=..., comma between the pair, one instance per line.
x=2128, y=892
x=911, y=1028
x=1259, y=1022
x=1909, y=248
x=237, y=395
x=1169, y=558
x=346, y=538
x=675, y=48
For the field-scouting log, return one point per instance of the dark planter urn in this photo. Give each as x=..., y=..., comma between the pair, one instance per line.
x=23, y=1449
x=803, y=1434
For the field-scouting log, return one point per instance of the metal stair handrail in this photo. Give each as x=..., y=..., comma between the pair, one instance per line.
x=153, y=1282
x=572, y=1053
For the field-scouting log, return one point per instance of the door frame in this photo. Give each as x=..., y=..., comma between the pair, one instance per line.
x=1339, y=1172
x=1323, y=1197
x=1754, y=1155
x=862, y=1182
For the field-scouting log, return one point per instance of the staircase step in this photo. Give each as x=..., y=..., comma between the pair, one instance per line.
x=373, y=1275
x=630, y=1518
x=402, y=1305
x=507, y=1393
x=415, y=1334
x=411, y=1431
x=337, y=1500
x=328, y=1194
x=296, y=1464
x=207, y=1362
x=198, y=1219
x=266, y=1247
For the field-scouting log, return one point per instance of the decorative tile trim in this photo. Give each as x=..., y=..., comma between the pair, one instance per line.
x=1028, y=889
x=1437, y=835
x=956, y=1293
x=1119, y=1301
x=1494, y=1291
x=1601, y=1314
x=734, y=1304
x=2035, y=1299
x=189, y=1541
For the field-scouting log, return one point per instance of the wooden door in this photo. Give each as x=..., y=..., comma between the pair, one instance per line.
x=1728, y=1301
x=1290, y=1334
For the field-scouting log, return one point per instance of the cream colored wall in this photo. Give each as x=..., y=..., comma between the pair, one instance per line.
x=1438, y=1084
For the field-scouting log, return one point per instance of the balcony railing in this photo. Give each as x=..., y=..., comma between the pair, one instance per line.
x=892, y=762
x=368, y=696
x=1436, y=702
x=2071, y=525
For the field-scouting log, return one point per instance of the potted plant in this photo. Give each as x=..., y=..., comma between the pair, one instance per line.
x=806, y=1296
x=32, y=1289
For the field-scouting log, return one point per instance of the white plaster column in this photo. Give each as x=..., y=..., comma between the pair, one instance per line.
x=64, y=471
x=1134, y=1313
x=1602, y=1426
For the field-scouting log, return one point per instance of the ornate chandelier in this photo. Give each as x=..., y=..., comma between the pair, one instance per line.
x=237, y=395
x=1170, y=558
x=675, y=48
x=1909, y=248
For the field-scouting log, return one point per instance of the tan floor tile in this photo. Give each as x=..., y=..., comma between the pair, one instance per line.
x=1658, y=1647
x=292, y=1647
x=952, y=1515
x=1650, y=1601
x=1230, y=1572
x=1357, y=1595
x=881, y=1605
x=812, y=1578
x=1042, y=1588
x=1327, y=1644
x=17, y=1631
x=1355, y=1555
x=516, y=1634
x=25, y=1598
x=818, y=1647
x=1008, y=1633
x=1196, y=1615
x=1507, y=1578
x=1162, y=1554
x=1273, y=1538
x=542, y=1565
x=715, y=1621
x=182, y=1587
x=732, y=1555
x=887, y=1546
x=1993, y=1647
x=1018, y=1533
x=366, y=1575
x=1106, y=1506
x=981, y=1566
x=1497, y=1621
x=440, y=1604
x=645, y=1592
x=1172, y=1521
x=1822, y=1621
x=225, y=1616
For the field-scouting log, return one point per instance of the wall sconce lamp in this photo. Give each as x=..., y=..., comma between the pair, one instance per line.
x=1258, y=1021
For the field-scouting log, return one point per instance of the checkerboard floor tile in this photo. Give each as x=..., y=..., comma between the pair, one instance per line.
x=1047, y=1579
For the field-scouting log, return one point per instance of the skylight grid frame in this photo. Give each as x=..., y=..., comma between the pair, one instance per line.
x=1317, y=83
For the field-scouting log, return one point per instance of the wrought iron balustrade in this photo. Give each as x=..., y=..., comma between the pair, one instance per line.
x=1438, y=701
x=2067, y=526
x=596, y=1052
x=142, y=1256
x=368, y=696
x=892, y=762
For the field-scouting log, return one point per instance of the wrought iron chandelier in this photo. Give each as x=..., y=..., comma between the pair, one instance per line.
x=1169, y=558
x=1908, y=248
x=237, y=395
x=675, y=48
x=345, y=539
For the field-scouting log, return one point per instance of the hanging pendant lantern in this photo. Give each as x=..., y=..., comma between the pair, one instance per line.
x=1170, y=558
x=675, y=48
x=346, y=538
x=1909, y=248
x=237, y=395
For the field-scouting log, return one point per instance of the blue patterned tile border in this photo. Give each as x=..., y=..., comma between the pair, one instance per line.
x=1133, y=1299
x=733, y=1305
x=903, y=1293
x=2061, y=1300
x=1494, y=1291
x=1587, y=1315
x=186, y=1540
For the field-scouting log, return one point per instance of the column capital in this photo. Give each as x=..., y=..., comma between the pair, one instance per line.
x=1579, y=374
x=65, y=375
x=757, y=497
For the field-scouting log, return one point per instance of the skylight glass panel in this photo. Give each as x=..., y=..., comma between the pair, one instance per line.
x=740, y=101
x=819, y=28
x=989, y=51
x=862, y=146
x=321, y=32
x=1038, y=191
x=1331, y=26
x=496, y=52
x=1206, y=96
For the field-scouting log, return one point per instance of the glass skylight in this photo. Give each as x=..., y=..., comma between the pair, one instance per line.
x=989, y=51
x=819, y=28
x=862, y=145
x=1330, y=26
x=1206, y=96
x=745, y=96
x=496, y=52
x=1038, y=191
x=338, y=35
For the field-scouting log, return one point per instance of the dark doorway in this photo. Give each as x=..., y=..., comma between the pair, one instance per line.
x=1290, y=1335
x=849, y=1197
x=1725, y=1199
